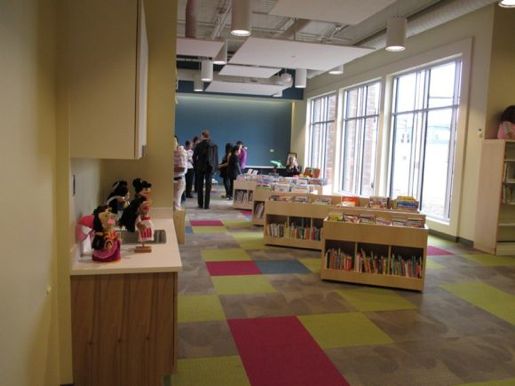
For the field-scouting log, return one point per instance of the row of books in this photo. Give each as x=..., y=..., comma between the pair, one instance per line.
x=367, y=218
x=259, y=209
x=507, y=194
x=293, y=231
x=270, y=179
x=398, y=265
x=243, y=195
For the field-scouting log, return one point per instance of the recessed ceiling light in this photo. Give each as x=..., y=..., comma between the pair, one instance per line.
x=507, y=3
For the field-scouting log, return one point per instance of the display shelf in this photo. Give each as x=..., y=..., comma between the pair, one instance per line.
x=258, y=206
x=287, y=212
x=243, y=194
x=372, y=254
x=495, y=213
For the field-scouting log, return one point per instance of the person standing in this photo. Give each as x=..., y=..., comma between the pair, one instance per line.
x=189, y=166
x=243, y=155
x=233, y=167
x=179, y=170
x=223, y=167
x=205, y=161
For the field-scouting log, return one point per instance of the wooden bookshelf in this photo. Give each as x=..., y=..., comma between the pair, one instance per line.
x=258, y=206
x=243, y=194
x=495, y=214
x=388, y=241
x=287, y=212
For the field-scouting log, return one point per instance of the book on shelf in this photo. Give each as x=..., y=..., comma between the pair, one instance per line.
x=350, y=218
x=349, y=201
x=335, y=216
x=299, y=189
x=378, y=202
x=282, y=187
x=415, y=222
x=241, y=195
x=399, y=222
x=293, y=231
x=301, y=199
x=367, y=218
x=322, y=201
x=279, y=197
x=383, y=221
x=405, y=203
x=338, y=259
x=262, y=186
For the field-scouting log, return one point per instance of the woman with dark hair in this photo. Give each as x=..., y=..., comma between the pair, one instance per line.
x=223, y=170
x=507, y=124
x=233, y=166
x=129, y=216
x=118, y=199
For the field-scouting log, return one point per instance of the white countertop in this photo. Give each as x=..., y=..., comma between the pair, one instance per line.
x=163, y=258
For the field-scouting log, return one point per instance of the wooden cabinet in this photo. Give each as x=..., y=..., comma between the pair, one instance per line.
x=258, y=205
x=495, y=214
x=372, y=254
x=243, y=194
x=108, y=65
x=123, y=328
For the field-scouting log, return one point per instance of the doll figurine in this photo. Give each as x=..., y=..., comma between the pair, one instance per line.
x=142, y=190
x=145, y=227
x=106, y=244
x=118, y=199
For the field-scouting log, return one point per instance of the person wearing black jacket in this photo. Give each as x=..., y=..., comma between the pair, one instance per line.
x=223, y=170
x=233, y=167
x=205, y=161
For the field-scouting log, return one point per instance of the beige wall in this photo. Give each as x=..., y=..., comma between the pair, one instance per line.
x=28, y=325
x=502, y=69
x=477, y=25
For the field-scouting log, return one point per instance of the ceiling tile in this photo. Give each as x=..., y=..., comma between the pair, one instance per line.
x=338, y=11
x=198, y=47
x=249, y=71
x=247, y=88
x=294, y=54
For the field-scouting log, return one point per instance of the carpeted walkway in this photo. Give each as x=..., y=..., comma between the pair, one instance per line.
x=255, y=315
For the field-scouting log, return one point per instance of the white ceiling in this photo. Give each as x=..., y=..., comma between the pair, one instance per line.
x=338, y=11
x=312, y=34
x=293, y=54
x=248, y=71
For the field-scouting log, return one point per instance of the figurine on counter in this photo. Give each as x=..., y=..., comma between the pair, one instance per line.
x=106, y=244
x=118, y=199
x=145, y=227
x=142, y=190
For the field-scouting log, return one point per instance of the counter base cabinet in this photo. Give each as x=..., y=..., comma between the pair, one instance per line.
x=390, y=256
x=123, y=328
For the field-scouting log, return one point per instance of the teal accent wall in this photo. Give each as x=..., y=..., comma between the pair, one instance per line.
x=263, y=125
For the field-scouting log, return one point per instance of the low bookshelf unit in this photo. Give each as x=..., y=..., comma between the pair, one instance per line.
x=293, y=223
x=243, y=194
x=384, y=248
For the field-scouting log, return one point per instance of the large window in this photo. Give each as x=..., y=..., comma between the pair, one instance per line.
x=322, y=134
x=359, y=138
x=424, y=117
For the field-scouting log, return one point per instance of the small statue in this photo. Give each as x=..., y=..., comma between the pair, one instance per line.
x=106, y=244
x=145, y=227
x=129, y=215
x=118, y=199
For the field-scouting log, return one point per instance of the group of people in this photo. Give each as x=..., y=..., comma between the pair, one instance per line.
x=233, y=164
x=195, y=164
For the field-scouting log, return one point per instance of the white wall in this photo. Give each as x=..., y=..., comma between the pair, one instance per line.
x=28, y=325
x=478, y=26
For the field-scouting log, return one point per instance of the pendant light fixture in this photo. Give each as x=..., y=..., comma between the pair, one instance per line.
x=396, y=34
x=337, y=70
x=507, y=3
x=240, y=18
x=221, y=57
x=206, y=71
x=198, y=86
x=301, y=75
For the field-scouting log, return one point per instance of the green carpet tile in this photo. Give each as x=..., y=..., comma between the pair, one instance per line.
x=343, y=329
x=199, y=308
x=217, y=371
x=433, y=265
x=313, y=264
x=240, y=285
x=490, y=299
x=503, y=382
x=375, y=299
x=491, y=260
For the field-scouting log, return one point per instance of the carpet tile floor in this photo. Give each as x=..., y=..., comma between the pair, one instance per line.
x=256, y=315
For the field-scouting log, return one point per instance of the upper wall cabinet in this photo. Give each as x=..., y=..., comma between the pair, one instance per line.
x=108, y=62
